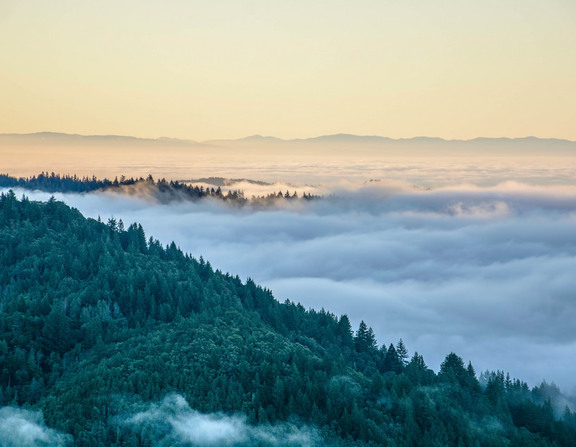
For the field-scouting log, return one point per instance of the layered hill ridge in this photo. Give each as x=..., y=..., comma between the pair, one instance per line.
x=99, y=324
x=324, y=160
x=340, y=138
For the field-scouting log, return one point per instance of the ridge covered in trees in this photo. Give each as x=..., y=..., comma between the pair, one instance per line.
x=97, y=320
x=163, y=191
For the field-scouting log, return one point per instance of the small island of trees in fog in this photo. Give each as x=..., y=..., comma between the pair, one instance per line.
x=162, y=190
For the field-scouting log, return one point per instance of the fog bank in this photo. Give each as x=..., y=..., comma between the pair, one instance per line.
x=172, y=422
x=486, y=272
x=23, y=428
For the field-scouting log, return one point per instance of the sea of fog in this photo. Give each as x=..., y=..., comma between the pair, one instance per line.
x=483, y=271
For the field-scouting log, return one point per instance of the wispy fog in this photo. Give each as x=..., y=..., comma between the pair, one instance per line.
x=486, y=272
x=172, y=422
x=22, y=428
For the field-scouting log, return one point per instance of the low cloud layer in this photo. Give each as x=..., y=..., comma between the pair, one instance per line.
x=172, y=422
x=487, y=272
x=22, y=428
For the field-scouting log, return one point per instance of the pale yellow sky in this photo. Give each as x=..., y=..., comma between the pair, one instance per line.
x=299, y=68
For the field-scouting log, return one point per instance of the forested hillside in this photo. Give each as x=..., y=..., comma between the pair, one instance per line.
x=98, y=322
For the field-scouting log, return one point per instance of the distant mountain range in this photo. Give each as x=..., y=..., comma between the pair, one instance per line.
x=60, y=138
x=335, y=138
x=527, y=145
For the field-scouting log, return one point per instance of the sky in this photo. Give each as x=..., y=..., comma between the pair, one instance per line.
x=226, y=69
x=486, y=272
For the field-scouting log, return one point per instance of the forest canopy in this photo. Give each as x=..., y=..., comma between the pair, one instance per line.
x=163, y=191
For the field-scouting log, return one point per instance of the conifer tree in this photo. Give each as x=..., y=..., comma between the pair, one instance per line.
x=402, y=352
x=392, y=362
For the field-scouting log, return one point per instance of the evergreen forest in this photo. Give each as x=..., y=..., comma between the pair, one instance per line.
x=162, y=191
x=97, y=321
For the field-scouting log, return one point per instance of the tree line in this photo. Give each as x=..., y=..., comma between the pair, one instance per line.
x=163, y=191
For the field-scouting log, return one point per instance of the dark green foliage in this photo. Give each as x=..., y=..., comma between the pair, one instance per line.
x=365, y=341
x=95, y=321
x=162, y=190
x=392, y=361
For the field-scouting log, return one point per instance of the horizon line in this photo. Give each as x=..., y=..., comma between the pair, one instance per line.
x=276, y=139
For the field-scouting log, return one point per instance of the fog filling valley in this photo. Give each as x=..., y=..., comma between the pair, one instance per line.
x=486, y=272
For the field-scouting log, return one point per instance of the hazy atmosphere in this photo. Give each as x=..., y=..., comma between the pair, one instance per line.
x=411, y=165
x=228, y=69
x=485, y=272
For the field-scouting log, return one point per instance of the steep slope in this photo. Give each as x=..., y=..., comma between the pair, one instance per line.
x=98, y=324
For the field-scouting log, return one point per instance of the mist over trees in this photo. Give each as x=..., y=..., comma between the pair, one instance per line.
x=162, y=190
x=99, y=323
